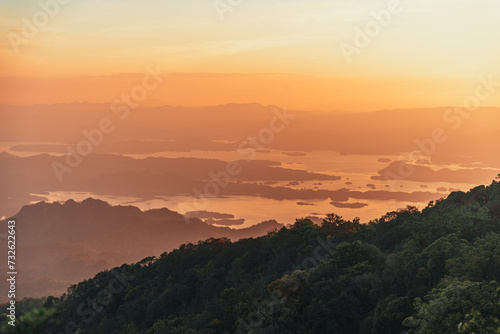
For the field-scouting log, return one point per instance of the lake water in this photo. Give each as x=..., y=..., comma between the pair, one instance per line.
x=355, y=171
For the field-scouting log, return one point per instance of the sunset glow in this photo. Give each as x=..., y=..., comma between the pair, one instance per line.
x=429, y=53
x=249, y=166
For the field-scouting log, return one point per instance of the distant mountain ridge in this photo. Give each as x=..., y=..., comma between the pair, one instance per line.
x=64, y=243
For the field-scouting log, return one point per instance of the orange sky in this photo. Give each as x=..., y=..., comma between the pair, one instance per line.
x=307, y=92
x=413, y=54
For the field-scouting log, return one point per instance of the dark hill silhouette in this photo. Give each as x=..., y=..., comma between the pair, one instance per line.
x=64, y=243
x=427, y=174
x=125, y=176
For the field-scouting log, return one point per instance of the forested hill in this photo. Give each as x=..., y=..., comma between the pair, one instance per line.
x=434, y=271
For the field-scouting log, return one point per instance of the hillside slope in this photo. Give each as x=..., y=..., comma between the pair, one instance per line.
x=62, y=244
x=434, y=271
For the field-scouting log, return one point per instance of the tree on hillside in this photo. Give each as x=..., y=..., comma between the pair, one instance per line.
x=335, y=224
x=445, y=308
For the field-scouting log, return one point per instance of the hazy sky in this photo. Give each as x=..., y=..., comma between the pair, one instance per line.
x=428, y=53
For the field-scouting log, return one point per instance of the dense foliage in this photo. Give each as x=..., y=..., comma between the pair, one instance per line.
x=434, y=271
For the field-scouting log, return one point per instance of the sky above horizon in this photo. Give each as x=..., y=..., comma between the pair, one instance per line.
x=303, y=54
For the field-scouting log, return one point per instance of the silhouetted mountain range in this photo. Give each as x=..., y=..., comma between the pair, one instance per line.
x=114, y=175
x=164, y=129
x=62, y=244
